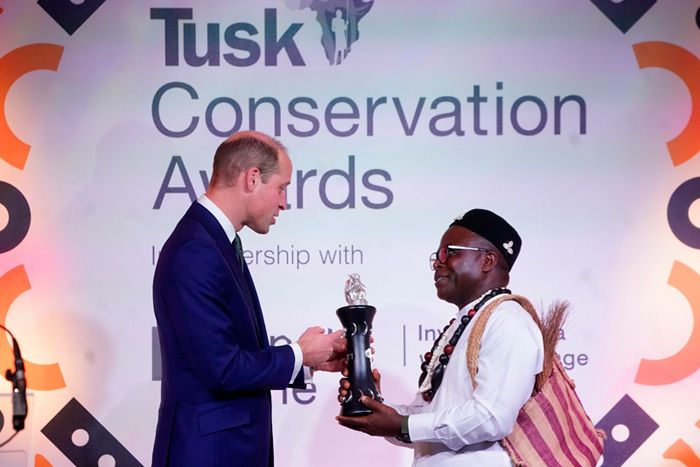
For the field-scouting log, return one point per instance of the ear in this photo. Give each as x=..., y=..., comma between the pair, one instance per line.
x=251, y=178
x=490, y=261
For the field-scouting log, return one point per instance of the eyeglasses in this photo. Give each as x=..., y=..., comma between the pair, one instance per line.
x=445, y=252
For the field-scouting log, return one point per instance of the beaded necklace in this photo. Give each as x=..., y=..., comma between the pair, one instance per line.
x=436, y=365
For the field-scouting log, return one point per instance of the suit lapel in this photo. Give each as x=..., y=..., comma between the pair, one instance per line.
x=245, y=283
x=241, y=278
x=257, y=309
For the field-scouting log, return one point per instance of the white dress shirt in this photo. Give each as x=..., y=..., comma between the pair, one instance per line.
x=461, y=426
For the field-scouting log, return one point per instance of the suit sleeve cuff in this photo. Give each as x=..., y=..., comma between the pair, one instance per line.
x=298, y=360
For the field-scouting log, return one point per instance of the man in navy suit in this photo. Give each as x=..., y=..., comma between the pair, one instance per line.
x=218, y=367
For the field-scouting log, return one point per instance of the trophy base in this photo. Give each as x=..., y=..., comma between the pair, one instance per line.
x=355, y=411
x=354, y=408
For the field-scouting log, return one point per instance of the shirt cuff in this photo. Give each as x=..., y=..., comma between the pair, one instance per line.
x=421, y=426
x=298, y=360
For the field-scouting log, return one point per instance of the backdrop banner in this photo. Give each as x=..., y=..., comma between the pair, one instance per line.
x=578, y=122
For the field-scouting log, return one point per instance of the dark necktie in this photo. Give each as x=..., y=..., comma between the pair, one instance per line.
x=238, y=246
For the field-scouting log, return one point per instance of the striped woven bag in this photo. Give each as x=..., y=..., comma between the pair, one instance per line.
x=552, y=428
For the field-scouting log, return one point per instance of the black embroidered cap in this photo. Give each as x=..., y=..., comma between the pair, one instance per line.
x=494, y=229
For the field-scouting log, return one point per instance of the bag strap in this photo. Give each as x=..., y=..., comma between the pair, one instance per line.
x=550, y=329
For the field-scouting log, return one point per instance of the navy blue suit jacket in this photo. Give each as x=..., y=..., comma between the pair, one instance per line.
x=218, y=367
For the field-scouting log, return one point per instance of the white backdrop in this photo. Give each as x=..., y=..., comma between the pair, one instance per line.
x=541, y=112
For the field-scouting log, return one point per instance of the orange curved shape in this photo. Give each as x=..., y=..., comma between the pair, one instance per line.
x=683, y=363
x=680, y=451
x=686, y=66
x=41, y=461
x=13, y=66
x=39, y=377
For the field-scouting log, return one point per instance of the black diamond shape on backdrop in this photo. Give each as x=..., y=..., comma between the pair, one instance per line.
x=640, y=425
x=67, y=14
x=624, y=14
x=73, y=416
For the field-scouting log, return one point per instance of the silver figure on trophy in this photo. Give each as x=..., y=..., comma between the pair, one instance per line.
x=356, y=319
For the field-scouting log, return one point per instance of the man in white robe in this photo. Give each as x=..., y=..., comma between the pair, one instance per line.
x=449, y=423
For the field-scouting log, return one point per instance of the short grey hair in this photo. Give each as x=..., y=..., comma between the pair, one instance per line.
x=241, y=153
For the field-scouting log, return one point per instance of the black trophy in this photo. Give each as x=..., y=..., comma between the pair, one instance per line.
x=356, y=319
